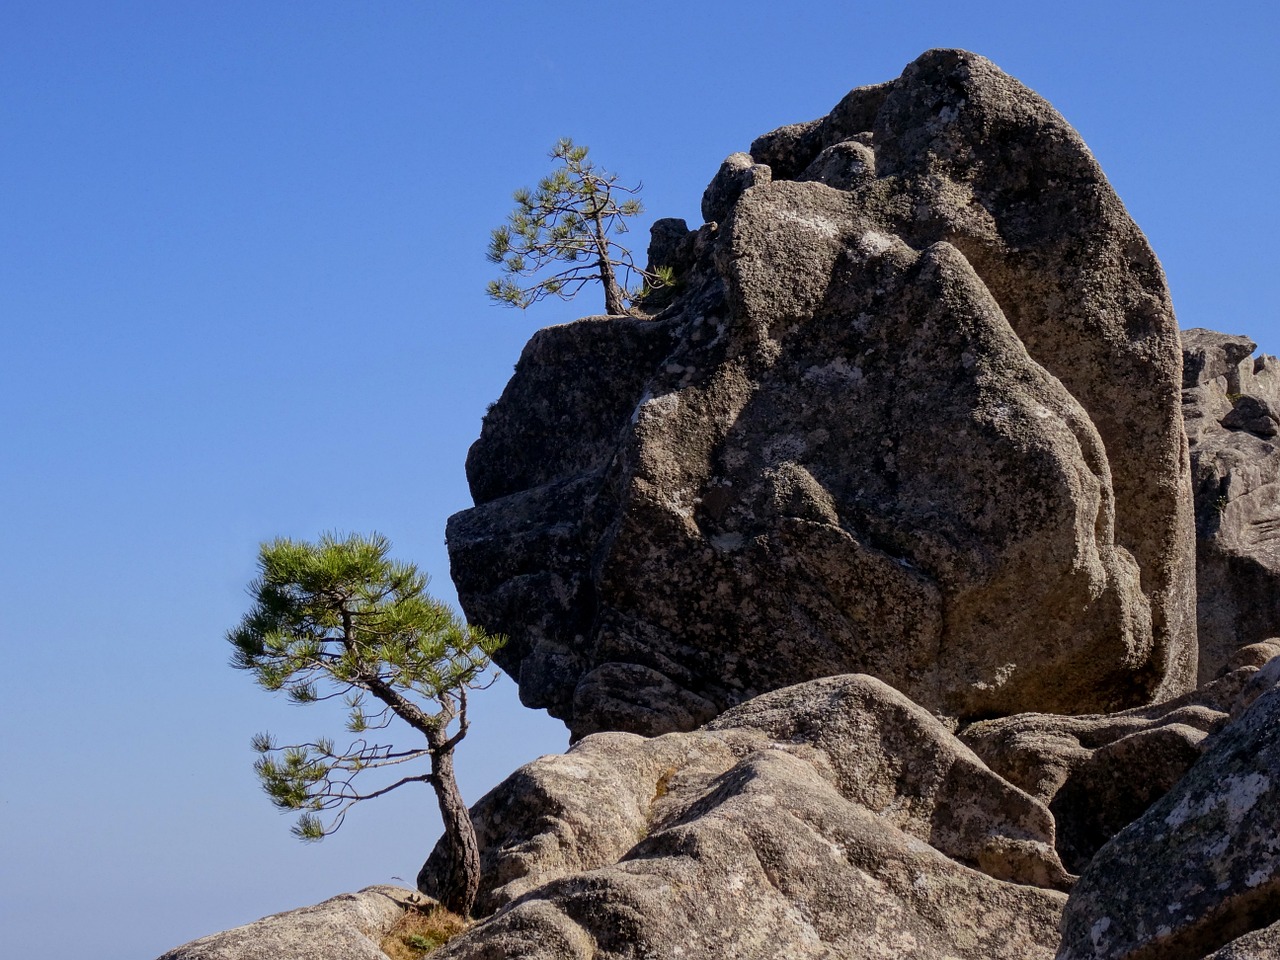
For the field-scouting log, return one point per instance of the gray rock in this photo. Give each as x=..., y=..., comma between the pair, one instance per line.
x=1199, y=869
x=1229, y=404
x=671, y=244
x=844, y=165
x=915, y=416
x=346, y=927
x=1208, y=355
x=966, y=154
x=895, y=759
x=831, y=819
x=1253, y=414
x=737, y=174
x=1099, y=773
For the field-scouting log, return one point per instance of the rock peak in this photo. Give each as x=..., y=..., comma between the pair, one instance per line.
x=915, y=413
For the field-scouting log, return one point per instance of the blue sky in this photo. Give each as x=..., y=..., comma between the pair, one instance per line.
x=241, y=296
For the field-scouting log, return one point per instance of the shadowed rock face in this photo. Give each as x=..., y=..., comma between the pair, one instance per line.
x=1201, y=867
x=915, y=414
x=1099, y=773
x=1230, y=402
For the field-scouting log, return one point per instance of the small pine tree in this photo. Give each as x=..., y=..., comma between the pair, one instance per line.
x=338, y=618
x=571, y=218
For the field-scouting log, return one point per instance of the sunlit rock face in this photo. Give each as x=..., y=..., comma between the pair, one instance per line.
x=349, y=926
x=829, y=819
x=914, y=412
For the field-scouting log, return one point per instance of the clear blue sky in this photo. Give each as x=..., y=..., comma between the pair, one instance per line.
x=241, y=295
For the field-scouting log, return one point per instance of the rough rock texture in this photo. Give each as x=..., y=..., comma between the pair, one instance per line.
x=826, y=819
x=914, y=414
x=1099, y=773
x=1202, y=866
x=1259, y=945
x=1230, y=401
x=345, y=927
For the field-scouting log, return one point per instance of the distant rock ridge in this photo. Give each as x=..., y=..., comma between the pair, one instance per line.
x=915, y=412
x=1230, y=404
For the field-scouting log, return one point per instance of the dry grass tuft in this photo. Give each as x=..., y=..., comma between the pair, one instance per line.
x=421, y=931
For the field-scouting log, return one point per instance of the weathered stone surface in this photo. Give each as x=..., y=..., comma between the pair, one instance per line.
x=737, y=174
x=671, y=244
x=914, y=414
x=1259, y=945
x=827, y=819
x=1208, y=355
x=1202, y=866
x=1229, y=403
x=1253, y=414
x=894, y=758
x=1099, y=773
x=346, y=927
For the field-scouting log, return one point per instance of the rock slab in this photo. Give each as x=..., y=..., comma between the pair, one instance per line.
x=1099, y=773
x=830, y=819
x=346, y=927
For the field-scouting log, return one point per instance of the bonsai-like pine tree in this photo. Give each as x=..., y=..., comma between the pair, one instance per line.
x=561, y=237
x=338, y=618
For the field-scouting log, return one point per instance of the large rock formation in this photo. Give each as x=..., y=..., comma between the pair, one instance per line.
x=915, y=413
x=835, y=818
x=1231, y=402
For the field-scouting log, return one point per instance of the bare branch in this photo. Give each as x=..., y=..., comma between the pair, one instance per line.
x=463, y=723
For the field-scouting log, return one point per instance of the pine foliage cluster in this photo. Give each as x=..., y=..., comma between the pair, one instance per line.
x=340, y=619
x=570, y=221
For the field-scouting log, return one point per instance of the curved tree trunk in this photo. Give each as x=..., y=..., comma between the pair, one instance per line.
x=614, y=302
x=460, y=879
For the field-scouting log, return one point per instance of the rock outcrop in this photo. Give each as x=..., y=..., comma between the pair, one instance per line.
x=834, y=818
x=1201, y=868
x=1230, y=401
x=345, y=927
x=1099, y=773
x=915, y=413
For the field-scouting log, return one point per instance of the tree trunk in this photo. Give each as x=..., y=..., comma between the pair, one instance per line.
x=460, y=878
x=614, y=304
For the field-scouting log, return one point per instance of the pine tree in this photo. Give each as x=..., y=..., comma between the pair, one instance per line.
x=338, y=618
x=570, y=219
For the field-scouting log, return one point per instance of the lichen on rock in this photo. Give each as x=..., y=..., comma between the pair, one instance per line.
x=1201, y=867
